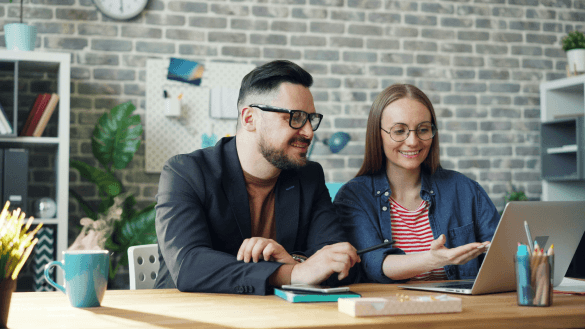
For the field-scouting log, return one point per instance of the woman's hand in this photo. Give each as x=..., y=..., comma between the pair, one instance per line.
x=456, y=256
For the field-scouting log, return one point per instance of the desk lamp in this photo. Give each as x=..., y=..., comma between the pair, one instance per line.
x=336, y=142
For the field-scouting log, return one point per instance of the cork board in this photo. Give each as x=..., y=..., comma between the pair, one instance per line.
x=195, y=127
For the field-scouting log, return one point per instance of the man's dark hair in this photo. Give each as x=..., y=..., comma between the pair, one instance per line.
x=268, y=77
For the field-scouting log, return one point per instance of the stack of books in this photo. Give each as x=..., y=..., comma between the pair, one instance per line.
x=301, y=296
x=39, y=115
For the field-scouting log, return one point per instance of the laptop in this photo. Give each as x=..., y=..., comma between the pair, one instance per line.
x=558, y=223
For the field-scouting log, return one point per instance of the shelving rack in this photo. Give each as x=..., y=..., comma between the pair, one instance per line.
x=43, y=63
x=562, y=151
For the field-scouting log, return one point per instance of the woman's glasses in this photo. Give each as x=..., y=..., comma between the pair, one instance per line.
x=298, y=118
x=400, y=132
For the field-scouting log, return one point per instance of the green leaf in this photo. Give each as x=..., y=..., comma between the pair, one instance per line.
x=113, y=269
x=111, y=246
x=107, y=183
x=84, y=205
x=105, y=204
x=128, y=211
x=116, y=137
x=573, y=40
x=138, y=230
x=124, y=258
x=515, y=196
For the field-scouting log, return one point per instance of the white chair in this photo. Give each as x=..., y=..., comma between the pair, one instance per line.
x=143, y=266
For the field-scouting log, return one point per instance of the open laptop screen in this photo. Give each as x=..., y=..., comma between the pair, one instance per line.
x=558, y=223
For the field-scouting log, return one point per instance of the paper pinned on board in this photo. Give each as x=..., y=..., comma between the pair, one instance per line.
x=185, y=71
x=223, y=103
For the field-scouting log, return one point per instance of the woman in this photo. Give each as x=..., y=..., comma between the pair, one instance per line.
x=441, y=220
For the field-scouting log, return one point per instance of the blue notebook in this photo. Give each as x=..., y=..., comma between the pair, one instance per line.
x=295, y=296
x=185, y=71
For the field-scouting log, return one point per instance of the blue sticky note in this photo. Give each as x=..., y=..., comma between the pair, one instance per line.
x=523, y=275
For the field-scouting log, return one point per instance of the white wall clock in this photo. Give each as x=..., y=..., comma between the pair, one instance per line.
x=121, y=9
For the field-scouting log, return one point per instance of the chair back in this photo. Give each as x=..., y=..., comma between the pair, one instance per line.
x=143, y=266
x=333, y=187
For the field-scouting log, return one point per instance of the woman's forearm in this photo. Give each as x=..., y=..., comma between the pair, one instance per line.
x=405, y=266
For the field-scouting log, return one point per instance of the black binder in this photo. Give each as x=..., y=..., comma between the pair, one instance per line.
x=15, y=178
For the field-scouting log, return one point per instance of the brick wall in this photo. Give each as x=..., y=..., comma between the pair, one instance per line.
x=481, y=62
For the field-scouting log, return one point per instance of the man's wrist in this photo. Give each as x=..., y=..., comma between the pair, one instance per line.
x=281, y=276
x=292, y=275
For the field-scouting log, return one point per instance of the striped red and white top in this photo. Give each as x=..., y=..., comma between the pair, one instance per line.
x=413, y=234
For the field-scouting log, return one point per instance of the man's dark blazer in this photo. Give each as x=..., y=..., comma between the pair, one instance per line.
x=203, y=216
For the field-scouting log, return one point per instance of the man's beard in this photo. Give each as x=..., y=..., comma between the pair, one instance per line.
x=279, y=159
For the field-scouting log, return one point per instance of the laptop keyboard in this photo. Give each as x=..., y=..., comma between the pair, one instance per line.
x=458, y=285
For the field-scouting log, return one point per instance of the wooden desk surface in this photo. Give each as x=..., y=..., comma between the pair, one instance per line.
x=173, y=309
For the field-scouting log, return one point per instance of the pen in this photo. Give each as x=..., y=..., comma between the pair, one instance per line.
x=530, y=247
x=375, y=247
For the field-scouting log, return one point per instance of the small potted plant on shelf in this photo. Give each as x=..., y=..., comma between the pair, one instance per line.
x=20, y=36
x=16, y=244
x=574, y=46
x=513, y=195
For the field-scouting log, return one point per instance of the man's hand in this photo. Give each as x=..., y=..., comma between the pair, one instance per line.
x=257, y=248
x=455, y=256
x=335, y=258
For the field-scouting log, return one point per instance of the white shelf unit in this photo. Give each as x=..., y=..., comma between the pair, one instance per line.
x=562, y=111
x=59, y=64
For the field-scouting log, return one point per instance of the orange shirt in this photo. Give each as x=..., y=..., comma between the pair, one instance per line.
x=261, y=199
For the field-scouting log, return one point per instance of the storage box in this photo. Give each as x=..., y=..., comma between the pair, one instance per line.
x=399, y=305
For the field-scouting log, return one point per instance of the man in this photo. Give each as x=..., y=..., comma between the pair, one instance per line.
x=242, y=217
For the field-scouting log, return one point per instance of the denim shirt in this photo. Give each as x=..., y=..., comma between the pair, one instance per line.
x=458, y=207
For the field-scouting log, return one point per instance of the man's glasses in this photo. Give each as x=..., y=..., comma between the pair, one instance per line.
x=298, y=118
x=400, y=132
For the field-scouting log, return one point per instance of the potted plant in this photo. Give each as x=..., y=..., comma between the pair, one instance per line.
x=16, y=244
x=116, y=225
x=20, y=36
x=513, y=195
x=574, y=46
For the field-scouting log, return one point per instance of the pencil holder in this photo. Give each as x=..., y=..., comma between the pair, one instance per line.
x=172, y=107
x=534, y=279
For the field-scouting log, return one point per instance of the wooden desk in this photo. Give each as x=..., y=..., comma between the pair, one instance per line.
x=173, y=309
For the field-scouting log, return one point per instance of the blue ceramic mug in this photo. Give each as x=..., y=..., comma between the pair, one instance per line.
x=85, y=274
